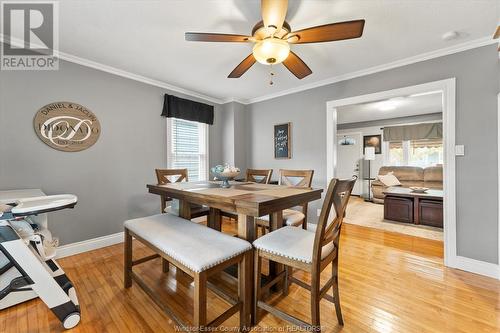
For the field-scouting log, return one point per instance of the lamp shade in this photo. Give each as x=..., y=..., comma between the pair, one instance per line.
x=271, y=51
x=370, y=153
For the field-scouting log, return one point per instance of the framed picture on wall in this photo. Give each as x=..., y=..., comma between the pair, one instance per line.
x=373, y=141
x=282, y=141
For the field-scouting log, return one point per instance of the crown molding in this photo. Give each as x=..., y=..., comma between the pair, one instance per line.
x=398, y=63
x=119, y=72
x=116, y=71
x=236, y=100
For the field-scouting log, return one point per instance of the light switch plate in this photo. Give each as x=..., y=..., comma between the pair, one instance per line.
x=318, y=212
x=459, y=150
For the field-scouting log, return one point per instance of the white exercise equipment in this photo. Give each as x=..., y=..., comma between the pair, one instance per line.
x=27, y=251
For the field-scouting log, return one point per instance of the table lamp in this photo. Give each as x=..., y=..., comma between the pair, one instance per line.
x=369, y=156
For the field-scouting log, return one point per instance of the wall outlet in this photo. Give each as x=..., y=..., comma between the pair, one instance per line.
x=318, y=212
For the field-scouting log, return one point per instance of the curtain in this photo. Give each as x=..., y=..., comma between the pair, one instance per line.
x=414, y=132
x=176, y=107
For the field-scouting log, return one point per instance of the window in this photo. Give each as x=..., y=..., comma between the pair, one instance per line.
x=421, y=153
x=396, y=153
x=187, y=144
x=424, y=153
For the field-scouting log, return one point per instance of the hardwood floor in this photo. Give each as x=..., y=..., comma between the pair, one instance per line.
x=388, y=283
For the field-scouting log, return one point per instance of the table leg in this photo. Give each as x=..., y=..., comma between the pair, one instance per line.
x=276, y=222
x=246, y=230
x=246, y=227
x=184, y=209
x=214, y=219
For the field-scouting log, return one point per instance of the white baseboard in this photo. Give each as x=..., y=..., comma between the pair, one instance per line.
x=476, y=266
x=89, y=245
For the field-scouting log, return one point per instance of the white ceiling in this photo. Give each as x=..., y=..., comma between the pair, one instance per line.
x=147, y=37
x=404, y=106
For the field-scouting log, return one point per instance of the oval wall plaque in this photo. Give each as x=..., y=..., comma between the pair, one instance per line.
x=67, y=126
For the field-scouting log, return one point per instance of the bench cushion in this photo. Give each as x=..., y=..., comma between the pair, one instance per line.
x=195, y=246
x=291, y=242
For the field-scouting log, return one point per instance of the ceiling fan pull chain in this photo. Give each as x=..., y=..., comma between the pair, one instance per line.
x=271, y=75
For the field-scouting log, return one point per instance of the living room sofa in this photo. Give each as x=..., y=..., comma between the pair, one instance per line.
x=431, y=177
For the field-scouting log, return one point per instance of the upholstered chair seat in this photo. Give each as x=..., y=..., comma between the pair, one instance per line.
x=291, y=217
x=292, y=243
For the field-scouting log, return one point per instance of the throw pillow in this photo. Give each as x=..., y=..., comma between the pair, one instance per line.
x=389, y=179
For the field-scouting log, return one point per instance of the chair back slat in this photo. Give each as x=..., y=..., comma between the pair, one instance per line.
x=296, y=178
x=262, y=176
x=337, y=195
x=166, y=176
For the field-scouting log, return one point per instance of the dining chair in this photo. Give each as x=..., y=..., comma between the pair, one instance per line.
x=261, y=176
x=167, y=176
x=291, y=217
x=308, y=251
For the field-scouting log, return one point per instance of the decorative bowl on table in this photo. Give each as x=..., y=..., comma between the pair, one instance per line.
x=418, y=189
x=225, y=173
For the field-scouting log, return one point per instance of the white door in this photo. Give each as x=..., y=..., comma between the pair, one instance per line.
x=349, y=155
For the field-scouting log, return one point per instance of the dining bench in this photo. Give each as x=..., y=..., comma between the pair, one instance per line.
x=198, y=251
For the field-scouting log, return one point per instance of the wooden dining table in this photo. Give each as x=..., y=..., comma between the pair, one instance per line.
x=245, y=199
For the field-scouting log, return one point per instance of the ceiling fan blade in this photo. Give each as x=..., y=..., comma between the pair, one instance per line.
x=297, y=66
x=211, y=37
x=328, y=32
x=273, y=14
x=497, y=35
x=242, y=67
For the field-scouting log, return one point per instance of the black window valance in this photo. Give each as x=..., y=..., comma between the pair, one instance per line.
x=176, y=107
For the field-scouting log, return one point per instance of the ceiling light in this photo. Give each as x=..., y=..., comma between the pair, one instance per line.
x=387, y=105
x=450, y=35
x=271, y=51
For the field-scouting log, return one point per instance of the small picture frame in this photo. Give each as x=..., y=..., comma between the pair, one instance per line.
x=373, y=141
x=282, y=141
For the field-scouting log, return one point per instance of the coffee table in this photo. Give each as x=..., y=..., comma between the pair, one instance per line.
x=403, y=205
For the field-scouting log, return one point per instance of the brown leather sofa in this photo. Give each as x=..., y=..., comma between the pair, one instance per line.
x=431, y=177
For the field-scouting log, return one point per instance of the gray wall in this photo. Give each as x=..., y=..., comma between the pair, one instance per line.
x=476, y=72
x=109, y=178
x=233, y=135
x=240, y=134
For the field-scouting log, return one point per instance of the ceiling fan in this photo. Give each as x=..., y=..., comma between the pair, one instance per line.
x=272, y=37
x=496, y=35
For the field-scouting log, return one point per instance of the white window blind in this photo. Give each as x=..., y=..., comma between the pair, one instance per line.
x=187, y=144
x=421, y=153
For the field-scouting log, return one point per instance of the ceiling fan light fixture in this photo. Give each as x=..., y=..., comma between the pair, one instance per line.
x=271, y=51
